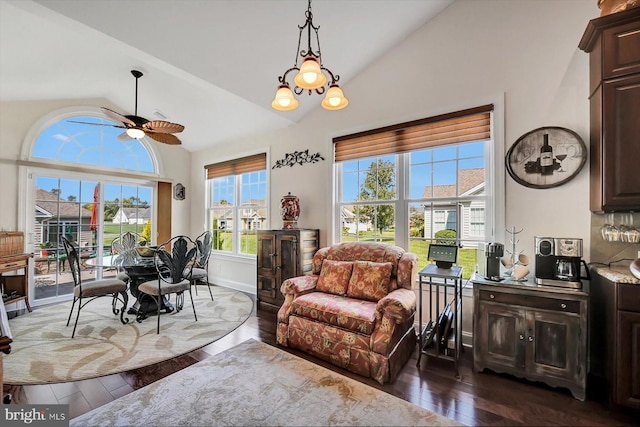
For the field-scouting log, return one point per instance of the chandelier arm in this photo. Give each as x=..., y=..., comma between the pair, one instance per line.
x=283, y=78
x=318, y=42
x=334, y=77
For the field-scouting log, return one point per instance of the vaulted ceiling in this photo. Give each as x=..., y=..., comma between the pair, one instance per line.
x=211, y=65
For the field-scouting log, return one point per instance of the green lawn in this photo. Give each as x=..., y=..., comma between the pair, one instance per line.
x=111, y=231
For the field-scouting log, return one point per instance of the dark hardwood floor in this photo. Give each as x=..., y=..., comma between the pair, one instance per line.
x=475, y=399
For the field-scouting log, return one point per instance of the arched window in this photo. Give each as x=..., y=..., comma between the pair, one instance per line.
x=92, y=141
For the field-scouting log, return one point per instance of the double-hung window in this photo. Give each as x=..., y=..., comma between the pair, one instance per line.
x=417, y=183
x=237, y=203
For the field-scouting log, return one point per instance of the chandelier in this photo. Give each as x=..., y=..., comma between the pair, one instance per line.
x=310, y=76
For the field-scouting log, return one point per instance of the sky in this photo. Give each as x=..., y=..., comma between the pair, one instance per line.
x=93, y=145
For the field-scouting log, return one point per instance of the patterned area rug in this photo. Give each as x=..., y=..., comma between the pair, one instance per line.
x=43, y=352
x=255, y=384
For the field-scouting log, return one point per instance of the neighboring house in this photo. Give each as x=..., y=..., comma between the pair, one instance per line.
x=57, y=217
x=253, y=217
x=443, y=215
x=132, y=216
x=348, y=219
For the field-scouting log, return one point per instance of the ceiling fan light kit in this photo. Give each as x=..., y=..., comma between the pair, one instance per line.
x=137, y=127
x=310, y=77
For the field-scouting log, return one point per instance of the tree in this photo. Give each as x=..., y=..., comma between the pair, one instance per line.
x=416, y=218
x=71, y=198
x=379, y=184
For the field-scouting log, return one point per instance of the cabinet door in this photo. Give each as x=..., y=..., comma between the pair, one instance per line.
x=500, y=338
x=621, y=127
x=288, y=260
x=556, y=345
x=267, y=259
x=628, y=363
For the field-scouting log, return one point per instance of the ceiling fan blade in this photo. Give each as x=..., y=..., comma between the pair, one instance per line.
x=124, y=136
x=161, y=126
x=165, y=138
x=97, y=124
x=118, y=117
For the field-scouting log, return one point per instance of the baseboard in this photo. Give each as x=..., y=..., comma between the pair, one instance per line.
x=242, y=287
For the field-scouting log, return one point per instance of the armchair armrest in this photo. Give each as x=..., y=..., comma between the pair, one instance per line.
x=291, y=289
x=398, y=305
x=298, y=285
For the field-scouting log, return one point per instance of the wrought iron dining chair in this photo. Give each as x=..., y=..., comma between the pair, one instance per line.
x=113, y=287
x=200, y=271
x=125, y=246
x=174, y=270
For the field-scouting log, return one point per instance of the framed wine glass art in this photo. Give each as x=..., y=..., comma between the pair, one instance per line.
x=546, y=157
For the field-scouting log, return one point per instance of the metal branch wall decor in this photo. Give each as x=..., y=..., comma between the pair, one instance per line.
x=298, y=158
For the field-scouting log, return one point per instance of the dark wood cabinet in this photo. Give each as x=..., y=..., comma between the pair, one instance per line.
x=282, y=254
x=615, y=341
x=613, y=44
x=532, y=332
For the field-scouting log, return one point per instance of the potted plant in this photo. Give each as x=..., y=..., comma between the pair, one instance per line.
x=44, y=246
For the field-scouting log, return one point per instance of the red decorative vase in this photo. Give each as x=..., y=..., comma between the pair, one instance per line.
x=290, y=211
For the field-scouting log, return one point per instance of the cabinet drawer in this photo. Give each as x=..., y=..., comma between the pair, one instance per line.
x=629, y=297
x=13, y=265
x=620, y=51
x=555, y=304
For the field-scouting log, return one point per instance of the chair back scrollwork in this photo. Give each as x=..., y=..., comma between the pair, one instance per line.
x=175, y=265
x=204, y=243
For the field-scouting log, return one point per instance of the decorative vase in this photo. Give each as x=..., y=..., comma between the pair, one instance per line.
x=290, y=211
x=608, y=7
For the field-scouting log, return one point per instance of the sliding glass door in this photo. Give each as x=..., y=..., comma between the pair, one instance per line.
x=90, y=213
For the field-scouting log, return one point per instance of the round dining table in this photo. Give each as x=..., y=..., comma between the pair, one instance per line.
x=139, y=269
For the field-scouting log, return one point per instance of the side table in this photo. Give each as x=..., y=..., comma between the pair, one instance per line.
x=445, y=278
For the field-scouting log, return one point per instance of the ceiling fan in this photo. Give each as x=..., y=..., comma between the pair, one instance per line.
x=138, y=127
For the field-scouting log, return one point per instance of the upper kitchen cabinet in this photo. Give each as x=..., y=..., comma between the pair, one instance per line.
x=613, y=44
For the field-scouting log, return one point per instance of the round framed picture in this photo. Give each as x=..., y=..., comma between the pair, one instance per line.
x=546, y=157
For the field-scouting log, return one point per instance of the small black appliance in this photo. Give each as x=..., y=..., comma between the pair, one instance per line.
x=493, y=251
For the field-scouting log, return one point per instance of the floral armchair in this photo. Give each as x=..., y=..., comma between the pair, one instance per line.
x=356, y=310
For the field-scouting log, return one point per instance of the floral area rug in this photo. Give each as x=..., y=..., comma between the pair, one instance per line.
x=255, y=384
x=43, y=351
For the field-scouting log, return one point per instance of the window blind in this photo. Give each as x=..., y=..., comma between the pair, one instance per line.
x=473, y=124
x=237, y=166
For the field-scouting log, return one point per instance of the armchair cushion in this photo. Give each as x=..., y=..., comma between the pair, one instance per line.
x=334, y=277
x=369, y=280
x=347, y=313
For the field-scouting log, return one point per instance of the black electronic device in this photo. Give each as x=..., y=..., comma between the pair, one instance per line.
x=443, y=255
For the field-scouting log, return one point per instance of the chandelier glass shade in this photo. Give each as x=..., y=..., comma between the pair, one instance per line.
x=311, y=76
x=284, y=100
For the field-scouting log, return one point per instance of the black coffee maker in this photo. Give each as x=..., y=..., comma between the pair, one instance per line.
x=493, y=252
x=558, y=262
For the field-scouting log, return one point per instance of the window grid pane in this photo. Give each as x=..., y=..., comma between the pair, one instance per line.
x=238, y=208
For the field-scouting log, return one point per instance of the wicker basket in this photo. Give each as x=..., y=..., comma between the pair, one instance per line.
x=11, y=243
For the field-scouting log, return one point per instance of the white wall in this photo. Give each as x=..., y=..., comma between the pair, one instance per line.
x=474, y=52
